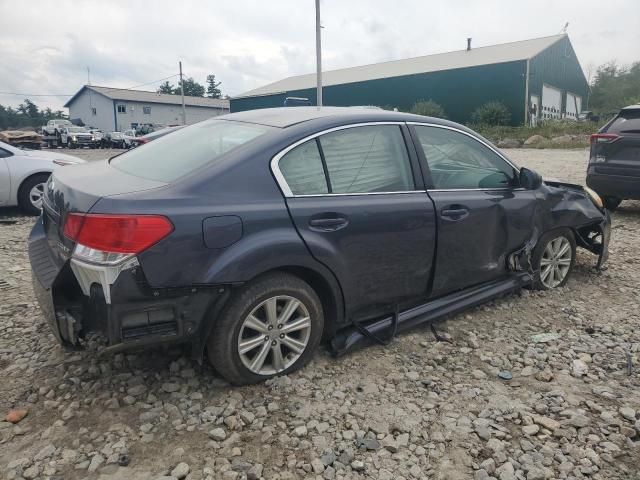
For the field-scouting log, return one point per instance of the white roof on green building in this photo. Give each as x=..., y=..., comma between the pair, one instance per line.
x=505, y=52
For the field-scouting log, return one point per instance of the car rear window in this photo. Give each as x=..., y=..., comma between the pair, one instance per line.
x=183, y=151
x=627, y=121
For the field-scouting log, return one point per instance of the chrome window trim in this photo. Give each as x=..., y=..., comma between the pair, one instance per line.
x=480, y=141
x=401, y=192
x=284, y=186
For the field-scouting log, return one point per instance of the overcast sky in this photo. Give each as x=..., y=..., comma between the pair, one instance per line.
x=46, y=46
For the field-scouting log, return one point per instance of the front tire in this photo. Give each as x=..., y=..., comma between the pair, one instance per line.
x=270, y=327
x=31, y=193
x=611, y=203
x=553, y=259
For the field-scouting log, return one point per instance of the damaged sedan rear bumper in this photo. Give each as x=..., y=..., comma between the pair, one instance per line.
x=78, y=298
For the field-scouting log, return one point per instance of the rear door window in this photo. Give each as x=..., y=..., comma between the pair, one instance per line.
x=187, y=149
x=367, y=159
x=302, y=170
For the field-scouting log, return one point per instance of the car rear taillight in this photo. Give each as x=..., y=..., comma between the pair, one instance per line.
x=111, y=238
x=604, y=138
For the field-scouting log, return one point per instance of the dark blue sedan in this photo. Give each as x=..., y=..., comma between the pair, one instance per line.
x=256, y=235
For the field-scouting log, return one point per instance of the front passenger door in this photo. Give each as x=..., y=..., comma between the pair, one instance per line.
x=483, y=214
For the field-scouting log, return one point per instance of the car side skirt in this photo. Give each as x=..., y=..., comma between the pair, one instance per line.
x=352, y=338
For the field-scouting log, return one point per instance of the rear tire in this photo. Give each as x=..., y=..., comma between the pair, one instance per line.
x=275, y=313
x=611, y=203
x=553, y=259
x=31, y=193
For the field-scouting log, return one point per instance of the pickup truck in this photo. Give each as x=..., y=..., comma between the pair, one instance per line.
x=55, y=127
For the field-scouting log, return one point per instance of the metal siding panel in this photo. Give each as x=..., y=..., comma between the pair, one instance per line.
x=459, y=91
x=559, y=67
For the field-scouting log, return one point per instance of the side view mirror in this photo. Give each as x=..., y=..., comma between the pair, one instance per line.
x=529, y=179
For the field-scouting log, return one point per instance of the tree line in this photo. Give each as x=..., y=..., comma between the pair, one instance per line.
x=27, y=114
x=614, y=87
x=193, y=88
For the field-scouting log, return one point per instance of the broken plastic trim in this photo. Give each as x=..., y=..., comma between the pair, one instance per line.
x=104, y=275
x=375, y=338
x=351, y=337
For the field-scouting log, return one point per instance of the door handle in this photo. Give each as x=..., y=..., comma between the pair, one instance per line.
x=328, y=224
x=454, y=213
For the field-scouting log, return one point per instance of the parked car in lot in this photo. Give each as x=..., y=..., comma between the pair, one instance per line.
x=114, y=140
x=78, y=137
x=149, y=137
x=24, y=173
x=614, y=158
x=55, y=127
x=256, y=234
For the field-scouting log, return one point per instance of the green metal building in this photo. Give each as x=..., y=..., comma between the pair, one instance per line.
x=544, y=72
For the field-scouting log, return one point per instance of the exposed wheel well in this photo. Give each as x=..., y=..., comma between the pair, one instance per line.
x=331, y=305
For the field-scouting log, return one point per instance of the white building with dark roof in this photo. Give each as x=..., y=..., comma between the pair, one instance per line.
x=120, y=109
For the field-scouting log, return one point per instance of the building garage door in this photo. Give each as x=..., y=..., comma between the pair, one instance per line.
x=574, y=106
x=551, y=102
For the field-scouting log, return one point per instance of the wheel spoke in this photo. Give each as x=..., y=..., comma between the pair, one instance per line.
x=563, y=250
x=288, y=310
x=245, y=346
x=544, y=262
x=296, y=325
x=270, y=308
x=564, y=261
x=255, y=324
x=545, y=272
x=276, y=354
x=258, y=360
x=295, y=345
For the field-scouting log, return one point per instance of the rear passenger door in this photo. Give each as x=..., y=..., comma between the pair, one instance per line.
x=483, y=214
x=359, y=207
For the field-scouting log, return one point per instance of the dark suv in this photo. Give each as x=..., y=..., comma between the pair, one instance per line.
x=614, y=159
x=255, y=235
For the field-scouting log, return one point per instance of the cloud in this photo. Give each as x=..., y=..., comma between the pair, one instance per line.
x=249, y=43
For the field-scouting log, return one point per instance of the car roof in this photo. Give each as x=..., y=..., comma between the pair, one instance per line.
x=287, y=116
x=632, y=107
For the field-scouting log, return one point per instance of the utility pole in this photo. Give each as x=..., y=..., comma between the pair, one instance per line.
x=88, y=76
x=184, y=110
x=318, y=57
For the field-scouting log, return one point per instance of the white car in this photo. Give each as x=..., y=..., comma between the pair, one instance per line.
x=24, y=173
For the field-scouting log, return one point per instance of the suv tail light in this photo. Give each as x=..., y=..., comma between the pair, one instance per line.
x=109, y=239
x=603, y=138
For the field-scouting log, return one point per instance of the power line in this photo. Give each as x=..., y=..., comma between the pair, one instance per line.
x=37, y=94
x=18, y=94
x=155, y=81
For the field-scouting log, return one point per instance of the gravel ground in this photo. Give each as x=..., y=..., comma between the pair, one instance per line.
x=415, y=409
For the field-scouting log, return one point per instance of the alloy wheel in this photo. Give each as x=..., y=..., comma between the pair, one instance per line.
x=274, y=335
x=35, y=195
x=555, y=262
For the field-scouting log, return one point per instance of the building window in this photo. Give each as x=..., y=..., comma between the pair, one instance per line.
x=146, y=110
x=93, y=111
x=122, y=109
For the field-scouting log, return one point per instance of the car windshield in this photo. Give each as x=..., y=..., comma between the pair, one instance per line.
x=187, y=149
x=76, y=130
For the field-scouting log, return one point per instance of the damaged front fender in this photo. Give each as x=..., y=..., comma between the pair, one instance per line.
x=567, y=205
